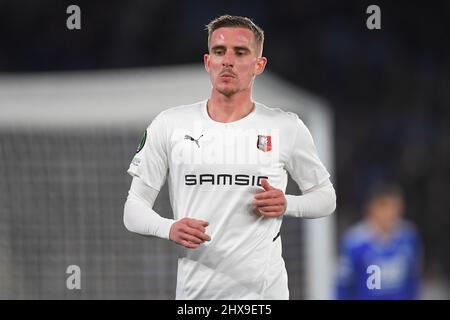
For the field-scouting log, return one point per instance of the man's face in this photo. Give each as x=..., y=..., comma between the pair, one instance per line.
x=233, y=60
x=386, y=211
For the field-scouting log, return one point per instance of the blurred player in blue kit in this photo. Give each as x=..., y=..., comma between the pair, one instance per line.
x=382, y=243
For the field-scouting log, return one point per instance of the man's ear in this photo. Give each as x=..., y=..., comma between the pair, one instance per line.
x=260, y=65
x=206, y=61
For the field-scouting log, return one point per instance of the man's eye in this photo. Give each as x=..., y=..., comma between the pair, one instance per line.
x=219, y=52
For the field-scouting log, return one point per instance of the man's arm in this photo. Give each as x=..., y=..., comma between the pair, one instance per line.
x=318, y=197
x=139, y=217
x=317, y=202
x=307, y=170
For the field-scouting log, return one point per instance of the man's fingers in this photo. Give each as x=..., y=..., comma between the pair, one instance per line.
x=190, y=238
x=196, y=233
x=271, y=209
x=268, y=202
x=270, y=214
x=267, y=194
x=189, y=233
x=198, y=224
x=257, y=212
x=262, y=213
x=188, y=244
x=266, y=185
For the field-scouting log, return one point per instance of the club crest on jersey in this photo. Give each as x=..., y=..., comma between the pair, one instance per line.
x=264, y=143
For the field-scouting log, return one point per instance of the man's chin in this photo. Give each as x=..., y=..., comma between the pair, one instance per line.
x=228, y=92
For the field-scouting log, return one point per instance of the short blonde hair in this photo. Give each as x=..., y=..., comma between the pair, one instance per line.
x=237, y=22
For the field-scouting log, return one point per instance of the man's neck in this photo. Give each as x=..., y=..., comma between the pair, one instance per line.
x=228, y=109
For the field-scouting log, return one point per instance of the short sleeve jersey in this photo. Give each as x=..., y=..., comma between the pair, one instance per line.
x=213, y=170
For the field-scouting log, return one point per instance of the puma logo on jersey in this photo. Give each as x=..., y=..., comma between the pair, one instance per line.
x=188, y=137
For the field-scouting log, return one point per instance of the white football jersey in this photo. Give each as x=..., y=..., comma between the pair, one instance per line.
x=214, y=169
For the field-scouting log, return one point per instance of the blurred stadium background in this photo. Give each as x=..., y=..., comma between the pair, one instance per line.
x=73, y=105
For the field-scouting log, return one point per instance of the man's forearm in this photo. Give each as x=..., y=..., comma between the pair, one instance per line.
x=315, y=203
x=139, y=217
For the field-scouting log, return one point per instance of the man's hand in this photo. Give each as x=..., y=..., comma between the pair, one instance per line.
x=189, y=232
x=271, y=202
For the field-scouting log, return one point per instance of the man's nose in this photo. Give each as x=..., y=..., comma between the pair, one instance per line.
x=228, y=59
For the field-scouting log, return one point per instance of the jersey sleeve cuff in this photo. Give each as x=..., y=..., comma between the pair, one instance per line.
x=164, y=230
x=292, y=208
